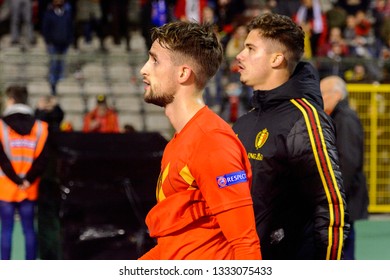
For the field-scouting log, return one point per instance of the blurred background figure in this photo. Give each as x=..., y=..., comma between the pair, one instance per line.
x=190, y=10
x=129, y=128
x=154, y=13
x=21, y=20
x=119, y=11
x=349, y=142
x=102, y=118
x=23, y=159
x=57, y=30
x=88, y=22
x=49, y=110
x=49, y=199
x=313, y=21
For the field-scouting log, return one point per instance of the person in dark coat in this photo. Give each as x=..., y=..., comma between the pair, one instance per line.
x=48, y=220
x=297, y=187
x=350, y=145
x=57, y=30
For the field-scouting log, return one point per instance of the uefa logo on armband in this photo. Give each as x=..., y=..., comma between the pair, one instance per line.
x=231, y=179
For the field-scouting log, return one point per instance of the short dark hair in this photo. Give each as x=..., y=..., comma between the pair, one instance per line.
x=197, y=43
x=18, y=93
x=284, y=31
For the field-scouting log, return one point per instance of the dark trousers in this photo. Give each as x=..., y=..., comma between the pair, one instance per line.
x=26, y=209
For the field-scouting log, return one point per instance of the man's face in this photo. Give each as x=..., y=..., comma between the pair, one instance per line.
x=159, y=76
x=254, y=61
x=330, y=96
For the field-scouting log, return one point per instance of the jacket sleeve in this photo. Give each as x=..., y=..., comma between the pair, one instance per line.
x=7, y=167
x=314, y=157
x=349, y=135
x=39, y=165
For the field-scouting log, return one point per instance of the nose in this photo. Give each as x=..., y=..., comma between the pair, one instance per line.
x=239, y=56
x=143, y=70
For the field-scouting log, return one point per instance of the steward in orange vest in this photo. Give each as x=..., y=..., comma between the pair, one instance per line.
x=23, y=152
x=23, y=159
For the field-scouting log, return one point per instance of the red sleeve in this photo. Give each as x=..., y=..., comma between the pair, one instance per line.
x=220, y=156
x=238, y=226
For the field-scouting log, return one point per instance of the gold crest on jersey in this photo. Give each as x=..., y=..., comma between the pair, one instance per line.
x=261, y=138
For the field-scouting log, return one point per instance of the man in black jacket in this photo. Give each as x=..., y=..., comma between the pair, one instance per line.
x=350, y=145
x=297, y=185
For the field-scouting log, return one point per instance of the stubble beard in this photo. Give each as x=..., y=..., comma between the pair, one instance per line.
x=161, y=100
x=243, y=80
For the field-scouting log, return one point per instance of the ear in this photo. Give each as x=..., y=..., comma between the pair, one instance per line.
x=277, y=59
x=184, y=73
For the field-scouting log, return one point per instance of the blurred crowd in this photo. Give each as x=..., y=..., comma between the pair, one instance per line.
x=347, y=38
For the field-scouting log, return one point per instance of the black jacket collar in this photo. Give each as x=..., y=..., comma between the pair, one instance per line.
x=304, y=83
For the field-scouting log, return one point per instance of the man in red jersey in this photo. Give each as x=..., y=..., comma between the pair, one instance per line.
x=204, y=206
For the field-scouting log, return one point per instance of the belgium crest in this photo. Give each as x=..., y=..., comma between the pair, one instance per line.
x=261, y=138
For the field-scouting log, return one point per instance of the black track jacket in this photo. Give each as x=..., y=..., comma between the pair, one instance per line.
x=299, y=201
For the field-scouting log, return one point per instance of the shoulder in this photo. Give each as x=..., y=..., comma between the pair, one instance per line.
x=211, y=131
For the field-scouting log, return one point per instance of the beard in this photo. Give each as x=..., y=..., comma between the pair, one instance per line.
x=161, y=100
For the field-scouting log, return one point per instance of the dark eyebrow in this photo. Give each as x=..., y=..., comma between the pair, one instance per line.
x=152, y=54
x=249, y=45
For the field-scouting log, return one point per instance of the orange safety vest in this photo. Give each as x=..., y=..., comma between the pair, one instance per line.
x=21, y=150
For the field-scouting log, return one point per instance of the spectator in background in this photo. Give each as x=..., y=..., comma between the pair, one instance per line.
x=236, y=98
x=336, y=49
x=129, y=128
x=208, y=15
x=102, y=118
x=336, y=16
x=358, y=35
x=313, y=21
x=335, y=39
x=358, y=74
x=154, y=13
x=287, y=8
x=88, y=22
x=228, y=12
x=214, y=90
x=355, y=5
x=350, y=146
x=190, y=10
x=4, y=19
x=49, y=110
x=236, y=42
x=57, y=30
x=49, y=199
x=23, y=159
x=21, y=18
x=119, y=10
x=384, y=60
x=381, y=22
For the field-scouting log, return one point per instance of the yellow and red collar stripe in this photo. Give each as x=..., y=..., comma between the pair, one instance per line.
x=325, y=169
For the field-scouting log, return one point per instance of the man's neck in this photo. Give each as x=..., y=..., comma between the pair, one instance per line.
x=181, y=111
